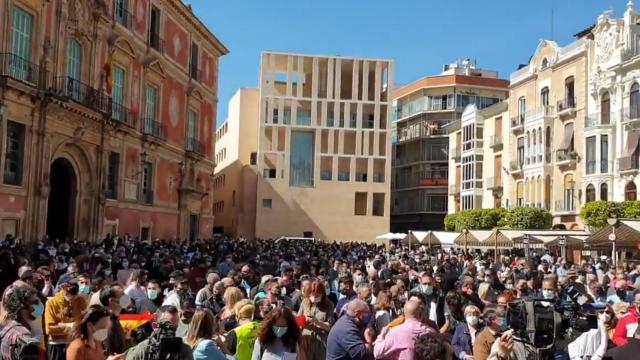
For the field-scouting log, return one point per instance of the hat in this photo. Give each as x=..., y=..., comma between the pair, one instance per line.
x=67, y=279
x=23, y=270
x=265, y=279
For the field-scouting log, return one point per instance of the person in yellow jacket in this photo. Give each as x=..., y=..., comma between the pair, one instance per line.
x=61, y=312
x=240, y=340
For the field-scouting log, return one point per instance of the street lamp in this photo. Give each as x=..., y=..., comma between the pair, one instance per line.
x=612, y=238
x=563, y=246
x=525, y=240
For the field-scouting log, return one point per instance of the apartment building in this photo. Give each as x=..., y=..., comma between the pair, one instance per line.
x=612, y=125
x=107, y=111
x=324, y=147
x=236, y=175
x=426, y=112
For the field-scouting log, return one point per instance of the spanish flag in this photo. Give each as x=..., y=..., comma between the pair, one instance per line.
x=134, y=321
x=108, y=74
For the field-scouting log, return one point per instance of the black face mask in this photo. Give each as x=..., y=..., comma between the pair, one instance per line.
x=73, y=290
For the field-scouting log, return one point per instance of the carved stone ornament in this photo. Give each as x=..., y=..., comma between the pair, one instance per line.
x=605, y=39
x=79, y=15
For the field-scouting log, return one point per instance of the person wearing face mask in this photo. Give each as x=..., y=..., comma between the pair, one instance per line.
x=181, y=291
x=153, y=299
x=275, y=294
x=225, y=266
x=351, y=337
x=627, y=322
x=21, y=307
x=61, y=312
x=317, y=310
x=89, y=336
x=239, y=341
x=485, y=339
x=549, y=291
x=620, y=294
x=278, y=336
x=465, y=334
x=84, y=285
x=346, y=293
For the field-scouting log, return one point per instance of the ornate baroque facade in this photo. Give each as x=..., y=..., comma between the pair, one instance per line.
x=107, y=113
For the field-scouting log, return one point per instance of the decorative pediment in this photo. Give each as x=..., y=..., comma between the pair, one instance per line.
x=155, y=66
x=195, y=94
x=125, y=46
x=546, y=49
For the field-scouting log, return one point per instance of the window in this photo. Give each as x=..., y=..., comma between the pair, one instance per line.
x=604, y=154
x=267, y=203
x=378, y=204
x=14, y=152
x=569, y=94
x=145, y=233
x=604, y=192
x=151, y=111
x=253, y=158
x=634, y=101
x=269, y=173
x=154, y=29
x=147, y=182
x=117, y=93
x=21, y=28
x=520, y=151
x=302, y=159
x=630, y=191
x=605, y=109
x=590, y=193
x=545, y=63
x=112, y=175
x=192, y=125
x=74, y=59
x=193, y=68
x=544, y=96
x=121, y=13
x=591, y=155
x=360, y=204
x=522, y=108
x=547, y=145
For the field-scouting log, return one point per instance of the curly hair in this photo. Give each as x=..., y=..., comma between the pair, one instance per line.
x=429, y=347
x=266, y=335
x=17, y=299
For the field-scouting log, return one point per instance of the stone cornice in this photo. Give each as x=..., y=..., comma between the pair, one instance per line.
x=197, y=24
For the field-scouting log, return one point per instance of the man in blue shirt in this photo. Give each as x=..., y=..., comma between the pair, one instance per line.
x=350, y=338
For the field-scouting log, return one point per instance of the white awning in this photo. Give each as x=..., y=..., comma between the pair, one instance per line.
x=632, y=143
x=568, y=137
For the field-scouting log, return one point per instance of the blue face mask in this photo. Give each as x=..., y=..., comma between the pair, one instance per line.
x=279, y=331
x=38, y=310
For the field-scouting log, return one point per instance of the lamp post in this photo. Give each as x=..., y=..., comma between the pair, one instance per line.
x=563, y=246
x=612, y=238
x=525, y=240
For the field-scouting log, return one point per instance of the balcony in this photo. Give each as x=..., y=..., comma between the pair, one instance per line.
x=494, y=183
x=628, y=165
x=597, y=121
x=566, y=107
x=632, y=117
x=153, y=128
x=566, y=206
x=566, y=157
x=123, y=17
x=194, y=146
x=472, y=145
x=455, y=154
x=517, y=123
x=66, y=88
x=496, y=142
x=590, y=168
x=516, y=168
x=156, y=42
x=20, y=69
x=454, y=190
x=121, y=114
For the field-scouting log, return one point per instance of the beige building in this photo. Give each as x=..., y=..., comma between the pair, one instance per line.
x=235, y=178
x=324, y=147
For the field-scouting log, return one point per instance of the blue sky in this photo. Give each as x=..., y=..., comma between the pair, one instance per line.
x=419, y=35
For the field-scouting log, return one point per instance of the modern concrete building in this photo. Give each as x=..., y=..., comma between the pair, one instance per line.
x=107, y=113
x=236, y=175
x=425, y=112
x=324, y=147
x=612, y=131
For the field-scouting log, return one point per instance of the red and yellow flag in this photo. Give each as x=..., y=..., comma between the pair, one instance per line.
x=134, y=321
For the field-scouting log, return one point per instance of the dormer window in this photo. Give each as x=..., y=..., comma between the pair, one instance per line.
x=545, y=63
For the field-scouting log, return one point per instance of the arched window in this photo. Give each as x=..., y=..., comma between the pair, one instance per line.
x=591, y=193
x=630, y=193
x=604, y=192
x=528, y=148
x=520, y=194
x=569, y=94
x=544, y=96
x=74, y=68
x=547, y=144
x=545, y=63
x=522, y=108
x=534, y=148
x=605, y=109
x=634, y=101
x=539, y=144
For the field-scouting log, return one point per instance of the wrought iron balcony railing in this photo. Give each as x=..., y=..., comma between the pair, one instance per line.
x=15, y=67
x=83, y=94
x=150, y=126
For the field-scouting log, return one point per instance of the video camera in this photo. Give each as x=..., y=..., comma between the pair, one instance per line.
x=163, y=343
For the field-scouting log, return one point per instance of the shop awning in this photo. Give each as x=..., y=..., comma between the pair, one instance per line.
x=632, y=143
x=627, y=235
x=568, y=137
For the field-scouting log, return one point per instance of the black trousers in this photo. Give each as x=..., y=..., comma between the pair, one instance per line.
x=56, y=351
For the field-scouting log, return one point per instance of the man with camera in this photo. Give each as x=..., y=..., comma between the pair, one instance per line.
x=163, y=343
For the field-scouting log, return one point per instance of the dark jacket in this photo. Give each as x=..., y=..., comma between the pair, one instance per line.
x=346, y=341
x=628, y=351
x=461, y=341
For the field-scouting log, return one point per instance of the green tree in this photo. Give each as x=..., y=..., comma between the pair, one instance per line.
x=596, y=213
x=525, y=218
x=630, y=209
x=478, y=219
x=450, y=222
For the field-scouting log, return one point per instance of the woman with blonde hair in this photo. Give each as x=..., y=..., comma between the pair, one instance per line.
x=318, y=311
x=465, y=334
x=200, y=334
x=383, y=311
x=483, y=292
x=240, y=340
x=227, y=316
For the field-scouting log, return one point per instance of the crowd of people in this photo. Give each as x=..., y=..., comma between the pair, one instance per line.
x=260, y=299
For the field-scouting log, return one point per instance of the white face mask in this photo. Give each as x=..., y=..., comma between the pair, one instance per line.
x=472, y=320
x=125, y=300
x=548, y=294
x=101, y=335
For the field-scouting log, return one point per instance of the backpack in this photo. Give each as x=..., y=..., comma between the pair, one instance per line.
x=25, y=348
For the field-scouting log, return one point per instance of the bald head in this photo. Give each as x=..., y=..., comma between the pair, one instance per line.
x=413, y=309
x=355, y=307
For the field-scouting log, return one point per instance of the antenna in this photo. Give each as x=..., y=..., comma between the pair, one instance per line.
x=551, y=20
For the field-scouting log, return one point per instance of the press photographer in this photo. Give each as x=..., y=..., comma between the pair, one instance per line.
x=163, y=343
